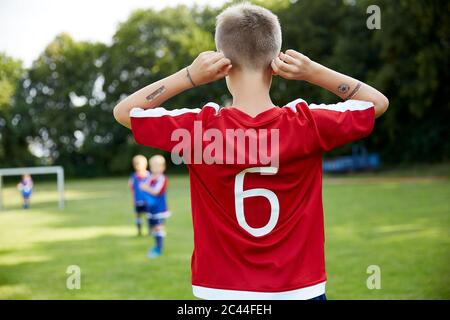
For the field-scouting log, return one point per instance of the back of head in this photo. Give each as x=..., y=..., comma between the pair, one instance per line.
x=157, y=164
x=248, y=35
x=139, y=162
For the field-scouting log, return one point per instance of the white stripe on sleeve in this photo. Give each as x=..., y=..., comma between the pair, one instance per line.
x=159, y=112
x=349, y=105
x=293, y=104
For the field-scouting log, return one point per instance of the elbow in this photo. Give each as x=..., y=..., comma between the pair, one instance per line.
x=117, y=113
x=120, y=116
x=381, y=106
x=385, y=104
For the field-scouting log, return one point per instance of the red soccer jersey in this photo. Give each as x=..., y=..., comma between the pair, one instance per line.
x=258, y=226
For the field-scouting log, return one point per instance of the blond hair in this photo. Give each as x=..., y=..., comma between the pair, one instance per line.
x=159, y=159
x=248, y=35
x=139, y=158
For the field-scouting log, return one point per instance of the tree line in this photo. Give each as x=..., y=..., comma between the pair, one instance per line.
x=59, y=110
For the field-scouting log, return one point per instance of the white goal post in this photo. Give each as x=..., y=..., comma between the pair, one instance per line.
x=59, y=171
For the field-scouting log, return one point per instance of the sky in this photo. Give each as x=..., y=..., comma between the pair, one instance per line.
x=27, y=26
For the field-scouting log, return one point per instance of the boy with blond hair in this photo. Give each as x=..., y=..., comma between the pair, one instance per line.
x=255, y=168
x=157, y=211
x=138, y=177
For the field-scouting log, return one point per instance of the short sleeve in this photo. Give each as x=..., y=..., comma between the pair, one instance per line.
x=155, y=127
x=341, y=123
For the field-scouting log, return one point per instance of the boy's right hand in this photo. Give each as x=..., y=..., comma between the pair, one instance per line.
x=209, y=66
x=292, y=65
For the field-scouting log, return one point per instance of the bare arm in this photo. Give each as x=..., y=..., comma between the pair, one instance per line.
x=294, y=65
x=147, y=188
x=151, y=96
x=348, y=88
x=207, y=67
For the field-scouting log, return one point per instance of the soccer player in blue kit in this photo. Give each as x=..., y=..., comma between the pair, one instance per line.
x=25, y=187
x=140, y=176
x=155, y=190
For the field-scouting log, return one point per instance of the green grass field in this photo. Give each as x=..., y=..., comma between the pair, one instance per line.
x=398, y=222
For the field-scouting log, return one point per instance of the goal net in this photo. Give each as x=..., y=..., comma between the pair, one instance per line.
x=59, y=171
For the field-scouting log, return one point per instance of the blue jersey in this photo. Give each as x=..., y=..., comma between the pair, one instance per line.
x=157, y=204
x=139, y=196
x=26, y=187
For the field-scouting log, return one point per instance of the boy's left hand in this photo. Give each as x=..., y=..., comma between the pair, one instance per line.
x=209, y=66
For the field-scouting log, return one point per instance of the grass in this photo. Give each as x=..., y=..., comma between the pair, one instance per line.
x=398, y=222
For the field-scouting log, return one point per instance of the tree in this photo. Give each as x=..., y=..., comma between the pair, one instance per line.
x=61, y=107
x=407, y=59
x=12, y=152
x=60, y=104
x=413, y=69
x=148, y=46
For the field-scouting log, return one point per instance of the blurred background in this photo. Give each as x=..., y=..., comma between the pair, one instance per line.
x=65, y=64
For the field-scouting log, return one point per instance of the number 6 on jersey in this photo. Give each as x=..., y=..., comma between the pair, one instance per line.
x=240, y=194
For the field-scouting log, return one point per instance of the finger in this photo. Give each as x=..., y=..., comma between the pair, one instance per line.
x=287, y=58
x=205, y=53
x=277, y=70
x=215, y=56
x=205, y=56
x=227, y=69
x=294, y=54
x=218, y=65
x=224, y=71
x=284, y=66
x=274, y=67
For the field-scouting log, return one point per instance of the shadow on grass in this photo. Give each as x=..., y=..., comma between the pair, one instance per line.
x=112, y=266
